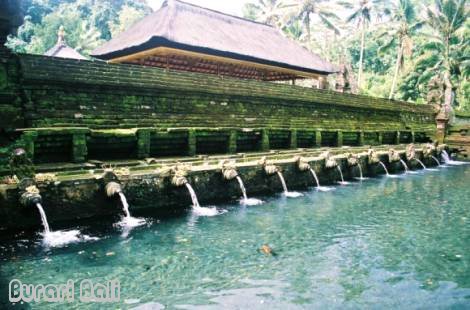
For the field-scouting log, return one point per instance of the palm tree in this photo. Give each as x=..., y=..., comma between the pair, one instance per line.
x=400, y=29
x=306, y=9
x=363, y=16
x=265, y=11
x=446, y=53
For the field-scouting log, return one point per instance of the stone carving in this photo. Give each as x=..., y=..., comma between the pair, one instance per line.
x=372, y=157
x=269, y=167
x=179, y=174
x=302, y=163
x=393, y=155
x=353, y=160
x=428, y=150
x=21, y=165
x=345, y=80
x=229, y=170
x=30, y=196
x=410, y=152
x=330, y=162
x=45, y=177
x=112, y=189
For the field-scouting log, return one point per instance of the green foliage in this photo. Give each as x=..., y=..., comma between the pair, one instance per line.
x=432, y=35
x=87, y=23
x=405, y=39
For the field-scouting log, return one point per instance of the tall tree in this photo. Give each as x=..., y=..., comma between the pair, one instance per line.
x=446, y=53
x=399, y=31
x=362, y=15
x=88, y=23
x=265, y=11
x=305, y=10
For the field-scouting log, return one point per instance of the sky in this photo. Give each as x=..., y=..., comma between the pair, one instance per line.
x=233, y=7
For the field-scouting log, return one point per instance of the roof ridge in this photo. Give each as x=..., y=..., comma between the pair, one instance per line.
x=165, y=3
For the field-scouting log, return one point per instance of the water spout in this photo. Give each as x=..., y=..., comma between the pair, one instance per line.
x=361, y=176
x=385, y=168
x=193, y=195
x=53, y=238
x=284, y=187
x=43, y=218
x=445, y=156
x=421, y=163
x=128, y=221
x=197, y=207
x=436, y=160
x=317, y=181
x=125, y=205
x=341, y=174
x=246, y=200
x=448, y=161
x=315, y=177
x=404, y=165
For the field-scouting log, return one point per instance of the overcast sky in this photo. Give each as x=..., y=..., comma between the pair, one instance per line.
x=233, y=7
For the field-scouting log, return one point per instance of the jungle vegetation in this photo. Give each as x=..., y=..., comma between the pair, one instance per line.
x=395, y=47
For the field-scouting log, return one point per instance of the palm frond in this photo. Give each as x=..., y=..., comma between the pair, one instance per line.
x=328, y=23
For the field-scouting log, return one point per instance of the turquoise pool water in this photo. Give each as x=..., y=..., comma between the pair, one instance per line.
x=390, y=243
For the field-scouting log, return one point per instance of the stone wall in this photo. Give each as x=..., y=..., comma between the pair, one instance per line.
x=74, y=110
x=458, y=135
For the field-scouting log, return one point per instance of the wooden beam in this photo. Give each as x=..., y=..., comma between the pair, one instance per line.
x=166, y=51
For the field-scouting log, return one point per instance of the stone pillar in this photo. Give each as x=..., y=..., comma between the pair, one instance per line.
x=143, y=143
x=191, y=142
x=318, y=138
x=397, y=137
x=79, y=147
x=293, y=139
x=339, y=139
x=29, y=137
x=441, y=122
x=264, y=143
x=360, y=142
x=232, y=142
x=380, y=137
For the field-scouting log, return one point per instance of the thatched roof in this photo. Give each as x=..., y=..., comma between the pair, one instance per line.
x=192, y=28
x=62, y=50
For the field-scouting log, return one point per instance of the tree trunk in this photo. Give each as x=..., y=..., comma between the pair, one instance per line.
x=307, y=24
x=361, y=57
x=447, y=90
x=397, y=69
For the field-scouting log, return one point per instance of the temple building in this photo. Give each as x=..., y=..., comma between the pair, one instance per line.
x=182, y=36
x=62, y=50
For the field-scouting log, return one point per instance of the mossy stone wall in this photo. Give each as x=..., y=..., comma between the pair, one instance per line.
x=130, y=111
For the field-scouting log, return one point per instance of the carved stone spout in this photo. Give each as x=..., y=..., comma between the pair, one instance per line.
x=330, y=162
x=229, y=170
x=268, y=167
x=410, y=152
x=30, y=194
x=302, y=164
x=112, y=189
x=372, y=156
x=353, y=160
x=393, y=155
x=428, y=150
x=179, y=174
